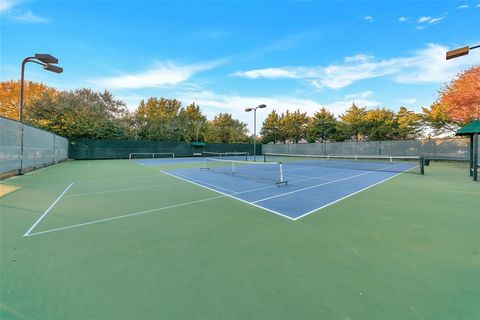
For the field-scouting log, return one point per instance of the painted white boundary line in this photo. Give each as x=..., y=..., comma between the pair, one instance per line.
x=47, y=211
x=125, y=216
x=120, y=190
x=278, y=213
x=347, y=196
x=311, y=187
x=226, y=194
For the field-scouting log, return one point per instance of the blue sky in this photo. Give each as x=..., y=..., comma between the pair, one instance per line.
x=227, y=55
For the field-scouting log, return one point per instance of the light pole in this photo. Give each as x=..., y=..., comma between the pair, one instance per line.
x=255, y=128
x=48, y=63
x=463, y=51
x=452, y=54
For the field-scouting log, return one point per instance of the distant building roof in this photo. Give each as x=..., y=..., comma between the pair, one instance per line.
x=469, y=129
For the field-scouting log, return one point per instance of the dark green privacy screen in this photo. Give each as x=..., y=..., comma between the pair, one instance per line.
x=120, y=149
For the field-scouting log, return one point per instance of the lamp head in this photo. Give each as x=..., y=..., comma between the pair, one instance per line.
x=52, y=68
x=457, y=53
x=46, y=58
x=248, y=109
x=262, y=106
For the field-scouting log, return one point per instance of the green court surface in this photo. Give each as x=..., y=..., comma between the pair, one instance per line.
x=128, y=242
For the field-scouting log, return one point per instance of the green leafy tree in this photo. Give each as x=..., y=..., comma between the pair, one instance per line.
x=194, y=123
x=294, y=126
x=270, y=131
x=224, y=129
x=378, y=124
x=439, y=119
x=82, y=113
x=160, y=119
x=408, y=124
x=322, y=126
x=353, y=126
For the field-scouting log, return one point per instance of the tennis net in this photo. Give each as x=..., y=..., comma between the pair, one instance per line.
x=151, y=155
x=266, y=171
x=227, y=155
x=398, y=164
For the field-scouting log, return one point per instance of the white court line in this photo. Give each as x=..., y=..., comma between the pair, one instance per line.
x=125, y=215
x=327, y=183
x=119, y=190
x=312, y=187
x=226, y=194
x=347, y=196
x=47, y=211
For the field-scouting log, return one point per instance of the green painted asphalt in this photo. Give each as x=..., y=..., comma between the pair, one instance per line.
x=127, y=242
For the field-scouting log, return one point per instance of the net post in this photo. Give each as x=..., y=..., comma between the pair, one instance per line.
x=264, y=157
x=281, y=172
x=233, y=168
x=129, y=156
x=391, y=159
x=422, y=165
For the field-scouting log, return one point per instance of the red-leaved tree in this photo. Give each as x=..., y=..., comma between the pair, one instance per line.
x=461, y=97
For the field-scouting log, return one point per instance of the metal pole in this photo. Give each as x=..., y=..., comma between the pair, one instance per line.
x=475, y=156
x=22, y=76
x=254, y=134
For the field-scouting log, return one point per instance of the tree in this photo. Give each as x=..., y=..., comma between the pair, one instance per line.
x=10, y=96
x=378, y=124
x=322, y=126
x=224, y=129
x=439, y=120
x=408, y=124
x=159, y=119
x=353, y=125
x=82, y=113
x=270, y=131
x=293, y=125
x=194, y=123
x=461, y=97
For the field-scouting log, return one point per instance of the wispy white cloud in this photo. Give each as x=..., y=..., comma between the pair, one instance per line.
x=162, y=74
x=427, y=65
x=463, y=6
x=424, y=19
x=403, y=19
x=7, y=5
x=429, y=20
x=359, y=58
x=269, y=73
x=10, y=10
x=367, y=18
x=213, y=103
x=29, y=17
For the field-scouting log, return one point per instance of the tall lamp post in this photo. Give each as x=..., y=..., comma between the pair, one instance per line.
x=452, y=54
x=48, y=63
x=255, y=128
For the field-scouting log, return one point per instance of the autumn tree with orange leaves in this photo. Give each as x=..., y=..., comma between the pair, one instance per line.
x=462, y=96
x=458, y=103
x=10, y=96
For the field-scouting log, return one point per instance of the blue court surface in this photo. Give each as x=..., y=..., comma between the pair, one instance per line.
x=309, y=188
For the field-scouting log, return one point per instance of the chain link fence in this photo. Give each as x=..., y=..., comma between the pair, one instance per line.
x=456, y=148
x=40, y=148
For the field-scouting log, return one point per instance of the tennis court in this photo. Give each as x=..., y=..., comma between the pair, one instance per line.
x=163, y=238
x=294, y=189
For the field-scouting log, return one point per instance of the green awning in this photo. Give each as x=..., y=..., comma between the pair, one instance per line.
x=469, y=129
x=198, y=144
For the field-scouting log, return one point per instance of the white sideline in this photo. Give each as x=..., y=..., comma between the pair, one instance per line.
x=126, y=215
x=312, y=187
x=47, y=211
